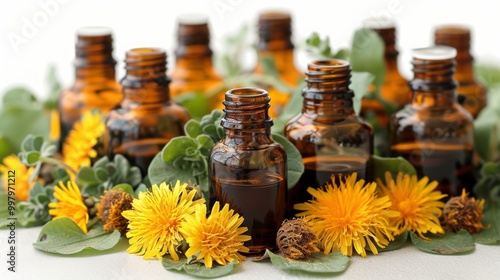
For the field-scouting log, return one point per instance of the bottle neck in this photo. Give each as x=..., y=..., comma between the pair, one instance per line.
x=145, y=82
x=247, y=118
x=433, y=84
x=94, y=58
x=194, y=58
x=388, y=35
x=459, y=38
x=327, y=94
x=283, y=59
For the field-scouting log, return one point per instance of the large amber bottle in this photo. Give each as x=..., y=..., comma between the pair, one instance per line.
x=193, y=70
x=248, y=168
x=473, y=91
x=275, y=31
x=433, y=132
x=394, y=88
x=146, y=119
x=330, y=136
x=95, y=85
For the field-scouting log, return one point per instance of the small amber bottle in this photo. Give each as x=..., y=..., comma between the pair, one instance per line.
x=248, y=168
x=433, y=132
x=146, y=119
x=275, y=31
x=473, y=91
x=193, y=70
x=394, y=88
x=331, y=138
x=95, y=85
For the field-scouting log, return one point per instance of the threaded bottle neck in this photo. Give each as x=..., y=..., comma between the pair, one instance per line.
x=247, y=109
x=193, y=37
x=456, y=37
x=433, y=69
x=275, y=31
x=94, y=53
x=388, y=35
x=327, y=92
x=146, y=80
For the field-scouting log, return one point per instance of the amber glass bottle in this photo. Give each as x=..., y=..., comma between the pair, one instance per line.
x=95, y=85
x=433, y=132
x=248, y=168
x=473, y=91
x=394, y=87
x=193, y=70
x=275, y=31
x=330, y=136
x=146, y=119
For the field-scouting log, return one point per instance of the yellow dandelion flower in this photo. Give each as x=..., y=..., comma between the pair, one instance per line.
x=416, y=201
x=155, y=219
x=349, y=215
x=12, y=165
x=216, y=238
x=69, y=204
x=78, y=148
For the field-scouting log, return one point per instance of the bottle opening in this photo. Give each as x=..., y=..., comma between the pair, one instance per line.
x=239, y=93
x=452, y=30
x=274, y=15
x=434, y=53
x=93, y=31
x=327, y=65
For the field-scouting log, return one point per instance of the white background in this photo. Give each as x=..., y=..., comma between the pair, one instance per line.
x=45, y=29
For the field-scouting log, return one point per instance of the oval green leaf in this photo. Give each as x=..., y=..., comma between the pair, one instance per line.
x=198, y=269
x=449, y=243
x=318, y=262
x=393, y=245
x=192, y=128
x=63, y=236
x=126, y=188
x=177, y=147
x=393, y=165
x=294, y=160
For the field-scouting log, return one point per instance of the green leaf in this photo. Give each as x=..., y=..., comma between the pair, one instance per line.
x=157, y=170
x=449, y=243
x=86, y=176
x=17, y=121
x=177, y=147
x=195, y=102
x=360, y=81
x=399, y=241
x=32, y=158
x=491, y=234
x=318, y=262
x=294, y=160
x=63, y=236
x=6, y=147
x=19, y=96
x=487, y=133
x=269, y=66
x=367, y=54
x=126, y=188
x=193, y=128
x=291, y=109
x=489, y=74
x=393, y=165
x=198, y=269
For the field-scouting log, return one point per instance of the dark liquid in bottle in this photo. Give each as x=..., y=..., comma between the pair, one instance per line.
x=261, y=202
x=450, y=165
x=319, y=170
x=140, y=153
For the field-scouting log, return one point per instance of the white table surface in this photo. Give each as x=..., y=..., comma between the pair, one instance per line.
x=405, y=263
